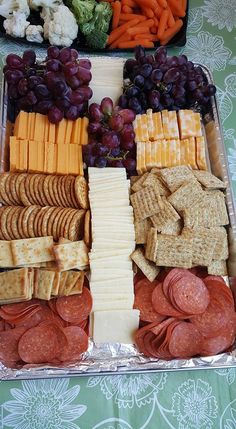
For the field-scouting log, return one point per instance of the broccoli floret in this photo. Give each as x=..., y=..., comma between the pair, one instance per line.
x=97, y=39
x=87, y=27
x=102, y=16
x=83, y=10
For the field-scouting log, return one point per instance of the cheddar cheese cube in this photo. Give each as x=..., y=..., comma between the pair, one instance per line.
x=61, y=131
x=184, y=151
x=197, y=122
x=49, y=157
x=51, y=133
x=33, y=156
x=21, y=125
x=62, y=158
x=31, y=126
x=192, y=153
x=84, y=131
x=172, y=153
x=170, y=125
x=148, y=159
x=178, y=161
x=40, y=156
x=74, y=159
x=76, y=130
x=150, y=124
x=40, y=121
x=158, y=128
x=23, y=158
x=14, y=153
x=69, y=127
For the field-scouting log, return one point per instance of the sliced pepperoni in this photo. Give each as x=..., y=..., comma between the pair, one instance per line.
x=75, y=308
x=162, y=306
x=173, y=275
x=39, y=344
x=2, y=325
x=185, y=341
x=77, y=343
x=143, y=302
x=190, y=294
x=220, y=291
x=219, y=343
x=9, y=345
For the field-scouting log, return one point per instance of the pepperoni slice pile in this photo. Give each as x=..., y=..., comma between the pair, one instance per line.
x=190, y=315
x=37, y=331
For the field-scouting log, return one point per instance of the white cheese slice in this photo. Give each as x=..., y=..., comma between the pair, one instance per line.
x=110, y=274
x=113, y=283
x=112, y=304
x=115, y=326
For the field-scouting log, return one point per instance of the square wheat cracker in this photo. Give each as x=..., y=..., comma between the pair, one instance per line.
x=175, y=177
x=145, y=203
x=187, y=195
x=151, y=245
x=208, y=180
x=174, y=251
x=149, y=269
x=217, y=268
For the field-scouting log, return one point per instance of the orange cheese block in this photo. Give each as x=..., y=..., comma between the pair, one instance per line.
x=69, y=127
x=150, y=125
x=32, y=156
x=192, y=153
x=31, y=126
x=14, y=153
x=23, y=158
x=157, y=124
x=74, y=159
x=170, y=124
x=51, y=133
x=184, y=152
x=40, y=156
x=63, y=158
x=76, y=130
x=61, y=131
x=148, y=159
x=84, y=131
x=40, y=121
x=21, y=125
x=49, y=157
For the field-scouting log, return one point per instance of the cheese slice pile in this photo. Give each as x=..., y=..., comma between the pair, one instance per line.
x=107, y=78
x=167, y=139
x=113, y=240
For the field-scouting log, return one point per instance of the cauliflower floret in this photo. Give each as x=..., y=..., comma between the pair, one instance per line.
x=53, y=4
x=34, y=33
x=47, y=16
x=7, y=7
x=62, y=28
x=16, y=25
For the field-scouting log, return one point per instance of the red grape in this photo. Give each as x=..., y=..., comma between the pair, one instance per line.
x=127, y=134
x=53, y=65
x=23, y=86
x=13, y=76
x=73, y=81
x=14, y=61
x=72, y=113
x=44, y=106
x=85, y=63
x=116, y=122
x=110, y=140
x=70, y=68
x=117, y=163
x=42, y=91
x=65, y=55
x=100, y=162
x=94, y=127
x=87, y=92
x=63, y=103
x=29, y=57
x=53, y=52
x=95, y=113
x=129, y=164
x=55, y=115
x=107, y=106
x=128, y=115
x=84, y=74
x=74, y=54
x=128, y=144
x=76, y=97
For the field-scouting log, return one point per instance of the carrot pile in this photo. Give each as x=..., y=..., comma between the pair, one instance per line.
x=144, y=22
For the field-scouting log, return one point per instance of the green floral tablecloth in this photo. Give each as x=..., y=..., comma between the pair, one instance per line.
x=178, y=400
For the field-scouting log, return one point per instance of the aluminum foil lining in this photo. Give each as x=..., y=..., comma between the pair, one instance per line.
x=122, y=358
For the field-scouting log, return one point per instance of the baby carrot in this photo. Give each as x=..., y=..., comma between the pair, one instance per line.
x=176, y=8
x=162, y=3
x=120, y=30
x=184, y=5
x=124, y=38
x=158, y=10
x=171, y=32
x=148, y=23
x=130, y=16
x=116, y=6
x=153, y=29
x=148, y=12
x=133, y=43
x=150, y=37
x=146, y=3
x=171, y=20
x=137, y=30
x=162, y=23
x=129, y=3
x=126, y=9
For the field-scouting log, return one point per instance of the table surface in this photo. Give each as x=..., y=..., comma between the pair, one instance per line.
x=204, y=399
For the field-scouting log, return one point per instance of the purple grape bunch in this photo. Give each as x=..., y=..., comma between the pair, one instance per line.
x=111, y=137
x=57, y=87
x=161, y=82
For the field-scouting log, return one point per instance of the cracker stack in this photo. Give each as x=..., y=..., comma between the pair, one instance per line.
x=165, y=139
x=113, y=240
x=180, y=218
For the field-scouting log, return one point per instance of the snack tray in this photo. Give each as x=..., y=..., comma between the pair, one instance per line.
x=122, y=358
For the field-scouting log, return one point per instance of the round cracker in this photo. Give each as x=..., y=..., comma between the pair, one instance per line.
x=66, y=224
x=12, y=184
x=8, y=190
x=23, y=194
x=5, y=198
x=40, y=218
x=60, y=195
x=20, y=178
x=38, y=195
x=21, y=221
x=10, y=217
x=81, y=192
x=36, y=221
x=25, y=220
x=32, y=223
x=76, y=227
x=87, y=228
x=55, y=222
x=3, y=223
x=64, y=194
x=40, y=184
x=27, y=189
x=68, y=183
x=51, y=191
x=73, y=196
x=46, y=191
x=64, y=213
x=14, y=223
x=31, y=188
x=45, y=221
x=55, y=186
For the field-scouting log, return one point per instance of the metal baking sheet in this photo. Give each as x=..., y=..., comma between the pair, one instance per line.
x=120, y=358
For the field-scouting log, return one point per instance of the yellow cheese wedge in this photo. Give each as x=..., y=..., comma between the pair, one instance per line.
x=61, y=131
x=158, y=153
x=183, y=145
x=81, y=160
x=187, y=154
x=158, y=128
x=186, y=124
x=173, y=153
x=192, y=153
x=14, y=153
x=40, y=159
x=75, y=135
x=23, y=155
x=153, y=154
x=62, y=158
x=150, y=125
x=166, y=150
x=48, y=157
x=163, y=153
x=74, y=159
x=201, y=153
x=33, y=156
x=32, y=126
x=40, y=121
x=69, y=127
x=84, y=131
x=171, y=129
x=52, y=133
x=144, y=128
x=137, y=137
x=21, y=126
